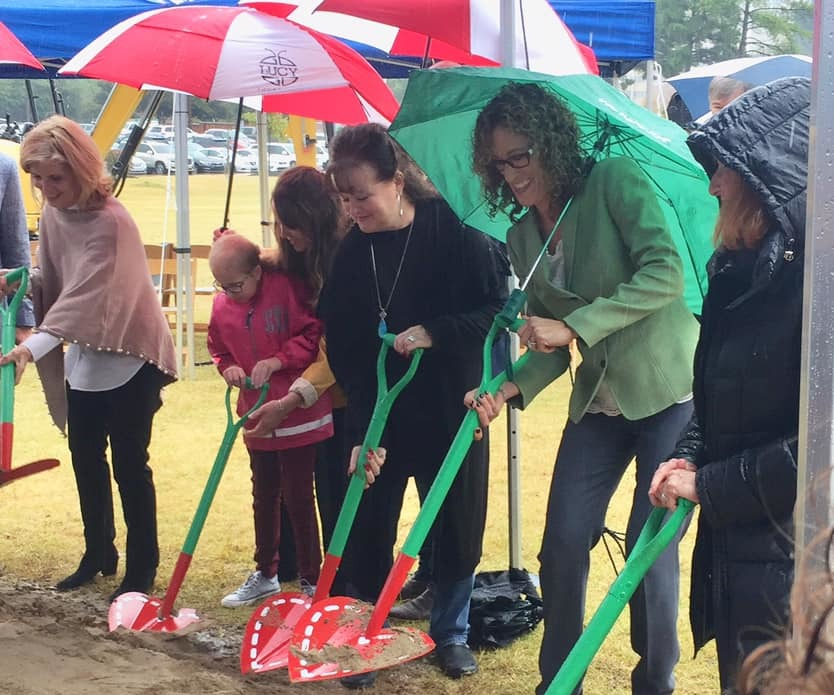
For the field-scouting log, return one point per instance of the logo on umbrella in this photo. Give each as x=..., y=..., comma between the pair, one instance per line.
x=278, y=70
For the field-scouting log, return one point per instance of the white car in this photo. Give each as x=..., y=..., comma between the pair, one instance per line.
x=246, y=162
x=322, y=157
x=159, y=157
x=137, y=166
x=280, y=157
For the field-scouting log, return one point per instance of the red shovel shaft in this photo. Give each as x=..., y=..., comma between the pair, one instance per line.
x=393, y=585
x=177, y=578
x=6, y=439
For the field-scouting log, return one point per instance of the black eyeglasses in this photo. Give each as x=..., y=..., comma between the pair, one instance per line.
x=232, y=287
x=514, y=161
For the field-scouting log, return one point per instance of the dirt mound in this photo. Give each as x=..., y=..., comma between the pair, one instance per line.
x=53, y=643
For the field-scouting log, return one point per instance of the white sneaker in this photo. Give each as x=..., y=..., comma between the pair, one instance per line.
x=255, y=587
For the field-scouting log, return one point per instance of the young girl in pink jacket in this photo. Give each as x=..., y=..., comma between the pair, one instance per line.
x=263, y=327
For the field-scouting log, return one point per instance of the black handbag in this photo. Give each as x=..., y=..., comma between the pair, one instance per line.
x=504, y=606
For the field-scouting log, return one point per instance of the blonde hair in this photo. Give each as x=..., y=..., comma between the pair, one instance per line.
x=742, y=222
x=60, y=139
x=801, y=662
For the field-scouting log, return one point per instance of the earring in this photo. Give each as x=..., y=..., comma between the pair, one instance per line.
x=400, y=203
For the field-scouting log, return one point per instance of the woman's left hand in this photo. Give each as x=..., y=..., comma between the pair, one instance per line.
x=20, y=356
x=673, y=479
x=545, y=335
x=373, y=463
x=412, y=338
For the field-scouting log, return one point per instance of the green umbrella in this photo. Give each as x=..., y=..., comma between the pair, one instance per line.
x=437, y=118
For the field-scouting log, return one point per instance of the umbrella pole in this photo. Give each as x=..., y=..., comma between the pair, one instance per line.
x=263, y=179
x=232, y=164
x=183, y=248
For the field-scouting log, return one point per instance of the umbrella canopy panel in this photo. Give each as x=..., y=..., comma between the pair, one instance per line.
x=13, y=52
x=227, y=52
x=437, y=118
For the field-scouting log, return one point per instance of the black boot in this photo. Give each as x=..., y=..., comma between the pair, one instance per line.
x=88, y=568
x=141, y=582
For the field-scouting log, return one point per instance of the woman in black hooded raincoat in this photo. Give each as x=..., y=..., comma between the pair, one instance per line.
x=737, y=458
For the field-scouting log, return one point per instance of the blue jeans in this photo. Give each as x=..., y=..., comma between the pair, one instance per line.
x=450, y=611
x=593, y=456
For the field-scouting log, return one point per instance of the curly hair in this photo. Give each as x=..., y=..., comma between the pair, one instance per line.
x=801, y=662
x=369, y=143
x=303, y=200
x=529, y=110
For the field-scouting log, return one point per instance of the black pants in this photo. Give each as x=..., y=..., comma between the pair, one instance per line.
x=123, y=415
x=593, y=456
x=457, y=533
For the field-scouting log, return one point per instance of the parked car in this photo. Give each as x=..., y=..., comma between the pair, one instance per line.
x=206, y=141
x=221, y=134
x=160, y=132
x=159, y=157
x=246, y=162
x=280, y=157
x=322, y=157
x=137, y=166
x=206, y=160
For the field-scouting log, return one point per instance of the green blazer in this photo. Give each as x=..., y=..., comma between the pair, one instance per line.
x=622, y=297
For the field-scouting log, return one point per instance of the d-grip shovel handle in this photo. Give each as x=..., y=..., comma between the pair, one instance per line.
x=384, y=401
x=442, y=482
x=216, y=473
x=653, y=540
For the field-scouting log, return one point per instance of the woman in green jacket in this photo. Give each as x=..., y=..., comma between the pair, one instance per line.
x=611, y=280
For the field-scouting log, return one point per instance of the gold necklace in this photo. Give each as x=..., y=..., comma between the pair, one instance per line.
x=382, y=329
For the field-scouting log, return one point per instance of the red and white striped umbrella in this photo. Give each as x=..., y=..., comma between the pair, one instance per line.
x=217, y=52
x=464, y=31
x=13, y=52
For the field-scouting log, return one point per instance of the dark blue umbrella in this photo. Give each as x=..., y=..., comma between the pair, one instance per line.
x=693, y=86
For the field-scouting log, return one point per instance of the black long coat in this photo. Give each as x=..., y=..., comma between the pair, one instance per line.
x=743, y=437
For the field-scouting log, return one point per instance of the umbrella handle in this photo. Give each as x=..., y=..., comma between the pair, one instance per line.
x=442, y=482
x=384, y=401
x=199, y=520
x=653, y=540
x=7, y=371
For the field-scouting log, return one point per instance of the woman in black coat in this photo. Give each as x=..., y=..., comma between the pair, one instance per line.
x=737, y=458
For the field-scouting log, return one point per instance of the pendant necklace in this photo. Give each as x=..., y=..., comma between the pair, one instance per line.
x=383, y=309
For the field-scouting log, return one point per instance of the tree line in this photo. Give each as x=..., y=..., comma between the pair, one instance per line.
x=689, y=33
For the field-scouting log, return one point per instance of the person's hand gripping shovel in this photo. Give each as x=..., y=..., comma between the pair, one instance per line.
x=341, y=636
x=267, y=637
x=140, y=612
x=7, y=382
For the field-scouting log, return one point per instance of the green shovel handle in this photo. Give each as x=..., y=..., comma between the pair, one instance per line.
x=458, y=450
x=229, y=436
x=384, y=401
x=7, y=335
x=653, y=540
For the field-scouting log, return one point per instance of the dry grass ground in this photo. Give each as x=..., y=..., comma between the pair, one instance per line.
x=40, y=537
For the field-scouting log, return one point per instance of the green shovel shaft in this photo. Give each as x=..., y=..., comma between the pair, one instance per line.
x=229, y=436
x=653, y=540
x=7, y=337
x=382, y=408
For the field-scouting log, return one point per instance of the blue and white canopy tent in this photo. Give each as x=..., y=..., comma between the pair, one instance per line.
x=621, y=32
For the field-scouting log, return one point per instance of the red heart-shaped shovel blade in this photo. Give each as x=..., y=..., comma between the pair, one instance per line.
x=266, y=641
x=330, y=642
x=140, y=613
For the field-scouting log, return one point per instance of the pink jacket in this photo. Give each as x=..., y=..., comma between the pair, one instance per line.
x=277, y=322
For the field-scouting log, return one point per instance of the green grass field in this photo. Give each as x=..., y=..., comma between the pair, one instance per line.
x=40, y=536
